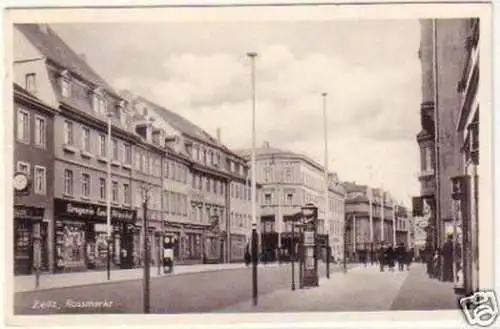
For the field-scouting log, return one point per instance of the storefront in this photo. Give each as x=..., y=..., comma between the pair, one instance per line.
x=211, y=248
x=81, y=236
x=238, y=246
x=25, y=221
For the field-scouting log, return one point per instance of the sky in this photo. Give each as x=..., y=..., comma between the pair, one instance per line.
x=369, y=69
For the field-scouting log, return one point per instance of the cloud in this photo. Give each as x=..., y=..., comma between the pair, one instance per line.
x=370, y=70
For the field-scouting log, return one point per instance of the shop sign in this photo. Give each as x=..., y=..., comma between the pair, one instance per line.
x=28, y=212
x=96, y=212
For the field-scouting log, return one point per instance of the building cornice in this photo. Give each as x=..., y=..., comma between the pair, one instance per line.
x=33, y=101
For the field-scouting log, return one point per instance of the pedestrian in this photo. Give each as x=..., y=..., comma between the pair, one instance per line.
x=381, y=257
x=247, y=256
x=390, y=256
x=400, y=254
x=409, y=258
x=436, y=264
x=447, y=253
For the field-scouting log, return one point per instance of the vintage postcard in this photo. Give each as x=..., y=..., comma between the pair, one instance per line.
x=322, y=164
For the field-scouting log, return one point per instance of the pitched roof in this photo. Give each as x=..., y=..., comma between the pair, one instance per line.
x=185, y=126
x=19, y=90
x=55, y=49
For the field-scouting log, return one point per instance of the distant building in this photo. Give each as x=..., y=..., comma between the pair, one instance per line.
x=289, y=181
x=364, y=209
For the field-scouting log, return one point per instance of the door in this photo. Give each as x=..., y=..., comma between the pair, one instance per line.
x=23, y=249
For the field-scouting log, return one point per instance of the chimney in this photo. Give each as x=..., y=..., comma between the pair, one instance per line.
x=218, y=134
x=44, y=28
x=83, y=57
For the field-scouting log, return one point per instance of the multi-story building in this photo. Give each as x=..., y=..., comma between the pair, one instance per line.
x=449, y=137
x=365, y=206
x=84, y=102
x=34, y=161
x=201, y=172
x=289, y=181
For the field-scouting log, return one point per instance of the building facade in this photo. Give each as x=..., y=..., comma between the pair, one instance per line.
x=34, y=158
x=449, y=137
x=82, y=153
x=208, y=182
x=365, y=206
x=289, y=181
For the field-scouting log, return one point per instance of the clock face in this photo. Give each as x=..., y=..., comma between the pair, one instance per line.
x=20, y=182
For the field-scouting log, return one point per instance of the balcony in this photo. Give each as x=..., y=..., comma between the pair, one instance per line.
x=427, y=182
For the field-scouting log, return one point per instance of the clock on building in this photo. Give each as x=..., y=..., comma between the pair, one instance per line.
x=21, y=182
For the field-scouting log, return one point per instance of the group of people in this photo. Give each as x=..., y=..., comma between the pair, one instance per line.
x=440, y=261
x=388, y=257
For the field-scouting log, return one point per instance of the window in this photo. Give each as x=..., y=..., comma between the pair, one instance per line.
x=68, y=132
x=116, y=155
x=65, y=87
x=204, y=156
x=288, y=175
x=114, y=191
x=193, y=178
x=23, y=126
x=127, y=196
x=102, y=145
x=85, y=185
x=99, y=104
x=68, y=182
x=208, y=184
x=86, y=139
x=40, y=131
x=289, y=198
x=267, y=198
x=127, y=153
x=40, y=180
x=267, y=174
x=214, y=186
x=30, y=82
x=102, y=188
x=24, y=168
x=137, y=161
x=144, y=163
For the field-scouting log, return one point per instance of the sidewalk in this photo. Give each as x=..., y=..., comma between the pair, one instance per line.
x=360, y=289
x=50, y=281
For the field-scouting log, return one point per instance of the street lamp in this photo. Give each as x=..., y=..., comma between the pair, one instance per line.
x=252, y=56
x=145, y=228
x=326, y=208
x=347, y=226
x=108, y=195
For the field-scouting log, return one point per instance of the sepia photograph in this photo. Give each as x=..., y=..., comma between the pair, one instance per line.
x=257, y=165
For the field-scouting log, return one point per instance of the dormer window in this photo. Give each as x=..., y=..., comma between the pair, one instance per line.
x=65, y=84
x=99, y=103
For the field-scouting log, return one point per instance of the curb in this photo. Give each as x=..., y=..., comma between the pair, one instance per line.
x=152, y=277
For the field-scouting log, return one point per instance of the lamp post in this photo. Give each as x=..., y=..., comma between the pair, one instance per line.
x=146, y=276
x=108, y=196
x=326, y=208
x=293, y=255
x=252, y=56
x=346, y=228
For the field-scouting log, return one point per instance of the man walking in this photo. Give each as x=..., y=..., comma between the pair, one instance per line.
x=381, y=256
x=401, y=256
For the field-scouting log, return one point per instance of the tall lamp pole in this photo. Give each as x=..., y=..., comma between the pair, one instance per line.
x=326, y=208
x=146, y=276
x=108, y=197
x=252, y=56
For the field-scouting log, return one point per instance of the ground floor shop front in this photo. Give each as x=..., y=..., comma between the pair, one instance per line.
x=31, y=242
x=81, y=236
